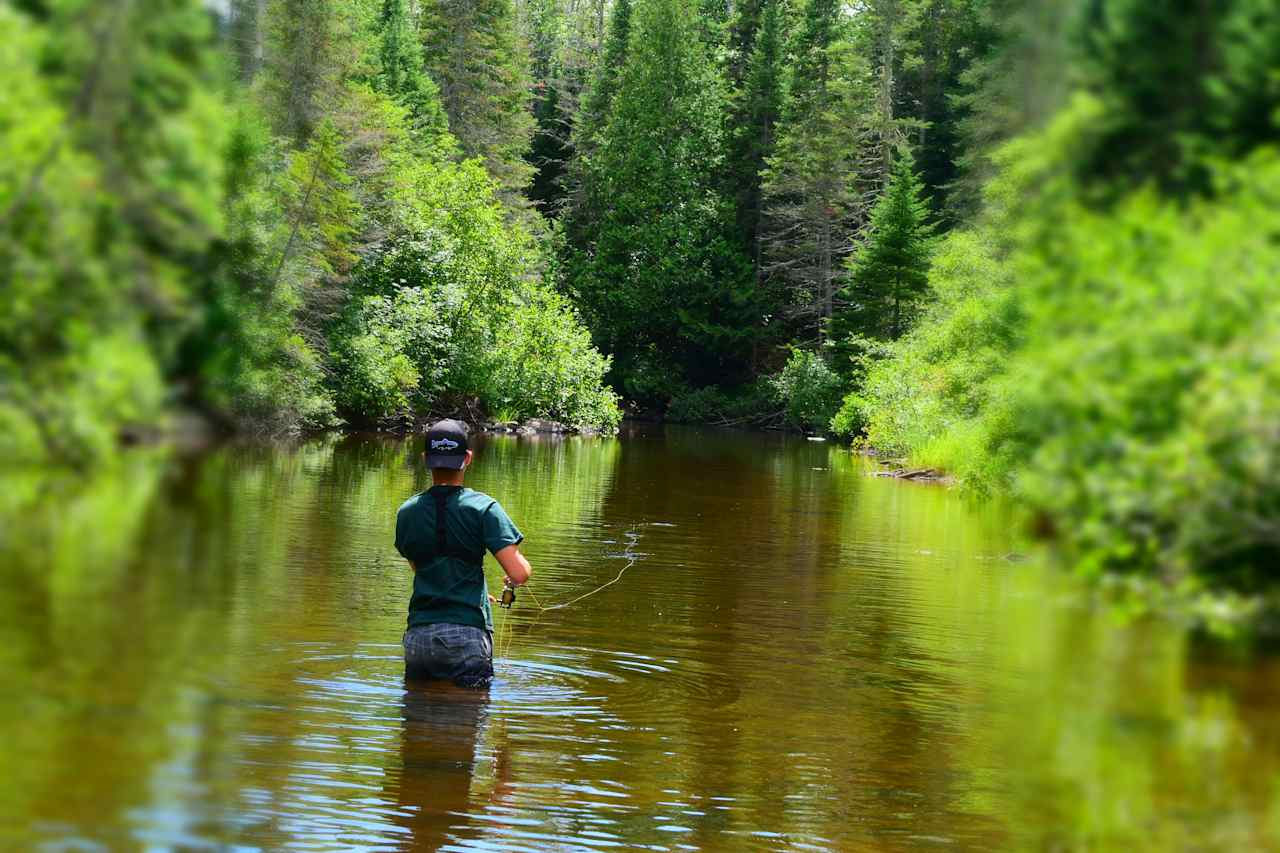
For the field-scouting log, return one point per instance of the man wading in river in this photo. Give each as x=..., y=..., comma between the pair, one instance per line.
x=443, y=533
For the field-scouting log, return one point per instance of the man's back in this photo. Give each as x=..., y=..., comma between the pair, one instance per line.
x=449, y=584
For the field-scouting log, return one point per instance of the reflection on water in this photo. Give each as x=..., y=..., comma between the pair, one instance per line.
x=205, y=652
x=432, y=785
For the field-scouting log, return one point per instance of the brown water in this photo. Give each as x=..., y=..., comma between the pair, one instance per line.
x=204, y=653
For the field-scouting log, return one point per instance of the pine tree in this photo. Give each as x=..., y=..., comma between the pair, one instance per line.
x=598, y=99
x=890, y=272
x=656, y=270
x=550, y=148
x=756, y=117
x=884, y=31
x=403, y=77
x=311, y=50
x=245, y=34
x=474, y=53
x=940, y=43
x=322, y=225
x=813, y=201
x=589, y=124
x=741, y=40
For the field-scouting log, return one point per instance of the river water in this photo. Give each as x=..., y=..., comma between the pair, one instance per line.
x=203, y=652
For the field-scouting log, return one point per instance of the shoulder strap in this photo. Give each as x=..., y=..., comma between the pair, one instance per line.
x=445, y=548
x=442, y=529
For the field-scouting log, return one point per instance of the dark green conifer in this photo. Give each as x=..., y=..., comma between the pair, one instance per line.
x=311, y=49
x=655, y=269
x=756, y=115
x=889, y=274
x=474, y=53
x=402, y=75
x=813, y=200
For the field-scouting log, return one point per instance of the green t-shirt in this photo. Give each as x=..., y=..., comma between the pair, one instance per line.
x=450, y=587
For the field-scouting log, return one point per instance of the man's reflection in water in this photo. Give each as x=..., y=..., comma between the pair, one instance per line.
x=440, y=729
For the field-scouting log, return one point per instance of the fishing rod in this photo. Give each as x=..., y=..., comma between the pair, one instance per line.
x=508, y=598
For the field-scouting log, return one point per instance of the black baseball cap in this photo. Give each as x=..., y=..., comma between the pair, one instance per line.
x=446, y=444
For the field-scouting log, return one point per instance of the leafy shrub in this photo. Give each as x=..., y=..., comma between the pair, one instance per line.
x=389, y=356
x=542, y=364
x=445, y=318
x=1126, y=387
x=714, y=405
x=863, y=354
x=809, y=391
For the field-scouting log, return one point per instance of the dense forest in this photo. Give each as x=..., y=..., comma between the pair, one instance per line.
x=1033, y=243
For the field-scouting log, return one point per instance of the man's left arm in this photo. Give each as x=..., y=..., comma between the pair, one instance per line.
x=400, y=537
x=503, y=538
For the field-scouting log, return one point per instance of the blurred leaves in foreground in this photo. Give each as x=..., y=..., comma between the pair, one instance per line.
x=177, y=228
x=1114, y=364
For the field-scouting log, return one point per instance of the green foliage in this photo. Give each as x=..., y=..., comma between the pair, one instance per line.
x=158, y=245
x=105, y=203
x=1120, y=388
x=598, y=98
x=312, y=48
x=750, y=404
x=388, y=359
x=856, y=357
x=1022, y=72
x=652, y=263
x=504, y=340
x=760, y=30
x=813, y=187
x=476, y=56
x=936, y=377
x=542, y=364
x=1185, y=83
x=809, y=391
x=402, y=75
x=889, y=274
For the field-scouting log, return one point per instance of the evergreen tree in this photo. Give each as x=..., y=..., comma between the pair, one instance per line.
x=312, y=49
x=245, y=33
x=1018, y=77
x=322, y=220
x=741, y=41
x=813, y=199
x=889, y=273
x=402, y=75
x=589, y=124
x=941, y=43
x=550, y=148
x=475, y=55
x=757, y=111
x=598, y=99
x=884, y=34
x=656, y=271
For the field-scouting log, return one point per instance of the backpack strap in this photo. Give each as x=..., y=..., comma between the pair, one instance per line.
x=442, y=529
x=445, y=548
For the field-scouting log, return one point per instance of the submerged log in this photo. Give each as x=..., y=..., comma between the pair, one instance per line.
x=912, y=474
